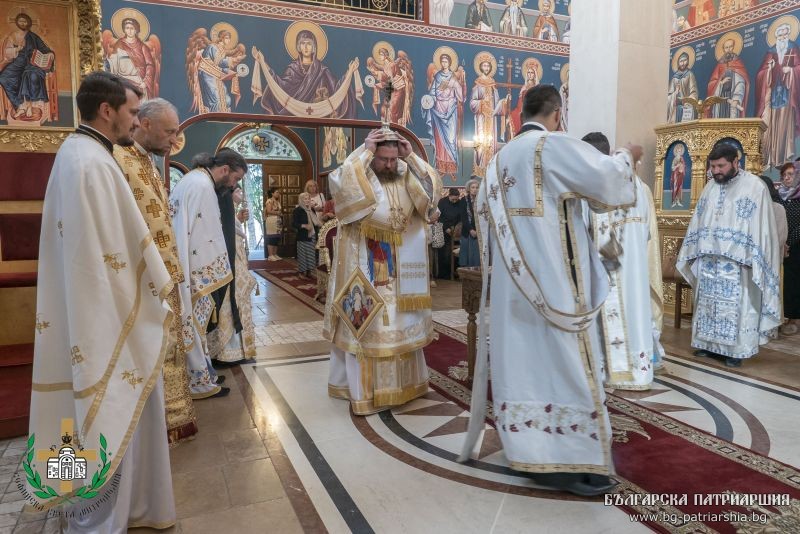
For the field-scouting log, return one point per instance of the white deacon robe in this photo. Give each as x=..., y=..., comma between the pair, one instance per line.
x=204, y=258
x=656, y=285
x=626, y=318
x=101, y=340
x=547, y=392
x=386, y=366
x=731, y=258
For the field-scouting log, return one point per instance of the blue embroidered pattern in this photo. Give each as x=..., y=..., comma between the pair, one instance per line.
x=718, y=294
x=769, y=281
x=701, y=205
x=745, y=208
x=723, y=329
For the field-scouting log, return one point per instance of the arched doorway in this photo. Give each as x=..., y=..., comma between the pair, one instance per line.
x=277, y=158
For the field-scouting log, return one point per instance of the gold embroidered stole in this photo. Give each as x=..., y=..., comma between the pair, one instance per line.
x=151, y=198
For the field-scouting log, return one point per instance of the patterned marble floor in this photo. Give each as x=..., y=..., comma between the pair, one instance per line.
x=279, y=455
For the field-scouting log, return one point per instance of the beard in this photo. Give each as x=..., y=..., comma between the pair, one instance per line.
x=387, y=174
x=725, y=178
x=123, y=139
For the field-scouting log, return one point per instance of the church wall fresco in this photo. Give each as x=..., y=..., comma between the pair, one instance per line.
x=450, y=87
x=687, y=14
x=752, y=61
x=540, y=19
x=38, y=64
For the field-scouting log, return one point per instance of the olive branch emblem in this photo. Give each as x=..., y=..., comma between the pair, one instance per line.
x=44, y=491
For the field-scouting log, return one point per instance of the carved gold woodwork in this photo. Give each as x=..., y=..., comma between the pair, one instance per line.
x=87, y=55
x=699, y=136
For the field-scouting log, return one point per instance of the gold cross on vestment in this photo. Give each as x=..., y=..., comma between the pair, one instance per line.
x=131, y=378
x=145, y=175
x=154, y=209
x=583, y=322
x=77, y=357
x=68, y=436
x=162, y=239
x=41, y=325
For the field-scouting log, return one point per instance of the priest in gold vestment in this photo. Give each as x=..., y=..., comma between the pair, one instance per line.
x=378, y=311
x=156, y=134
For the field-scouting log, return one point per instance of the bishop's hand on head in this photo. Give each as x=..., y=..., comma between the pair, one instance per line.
x=372, y=140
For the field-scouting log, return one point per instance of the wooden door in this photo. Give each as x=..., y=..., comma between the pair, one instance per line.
x=289, y=178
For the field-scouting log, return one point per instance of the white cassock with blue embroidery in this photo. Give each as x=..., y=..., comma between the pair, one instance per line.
x=731, y=258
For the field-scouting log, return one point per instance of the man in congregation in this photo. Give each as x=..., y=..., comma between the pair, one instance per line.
x=450, y=210
x=630, y=339
x=103, y=327
x=203, y=254
x=384, y=195
x=157, y=132
x=731, y=258
x=547, y=284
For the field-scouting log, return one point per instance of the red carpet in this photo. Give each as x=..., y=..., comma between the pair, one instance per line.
x=676, y=460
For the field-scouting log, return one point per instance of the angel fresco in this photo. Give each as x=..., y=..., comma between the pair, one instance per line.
x=307, y=87
x=385, y=68
x=131, y=52
x=443, y=108
x=211, y=68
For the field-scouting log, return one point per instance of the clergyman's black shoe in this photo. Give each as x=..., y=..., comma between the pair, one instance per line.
x=223, y=392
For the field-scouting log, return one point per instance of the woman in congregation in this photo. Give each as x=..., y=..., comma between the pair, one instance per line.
x=469, y=255
x=314, y=202
x=303, y=224
x=272, y=209
x=790, y=199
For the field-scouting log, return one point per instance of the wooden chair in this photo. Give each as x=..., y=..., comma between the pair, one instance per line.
x=327, y=234
x=669, y=273
x=455, y=250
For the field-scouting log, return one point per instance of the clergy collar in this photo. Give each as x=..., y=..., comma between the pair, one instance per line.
x=535, y=125
x=97, y=136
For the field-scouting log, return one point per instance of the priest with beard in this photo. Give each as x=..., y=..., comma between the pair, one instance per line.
x=731, y=259
x=385, y=195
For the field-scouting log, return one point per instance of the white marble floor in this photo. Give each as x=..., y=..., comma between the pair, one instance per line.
x=389, y=494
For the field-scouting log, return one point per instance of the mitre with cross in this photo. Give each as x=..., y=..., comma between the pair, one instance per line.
x=388, y=133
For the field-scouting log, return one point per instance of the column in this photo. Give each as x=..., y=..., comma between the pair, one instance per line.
x=619, y=71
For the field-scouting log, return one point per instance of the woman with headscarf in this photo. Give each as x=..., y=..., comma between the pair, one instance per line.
x=791, y=263
x=789, y=183
x=469, y=255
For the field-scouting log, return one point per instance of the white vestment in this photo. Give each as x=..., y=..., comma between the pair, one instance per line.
x=204, y=258
x=101, y=340
x=626, y=318
x=731, y=258
x=548, y=398
x=386, y=366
